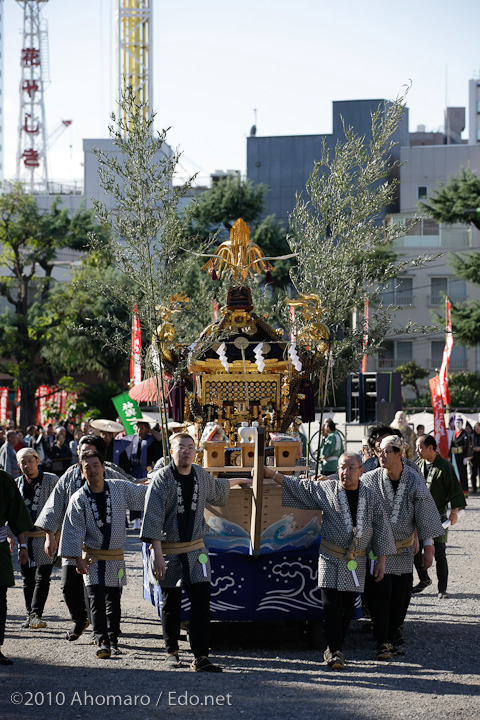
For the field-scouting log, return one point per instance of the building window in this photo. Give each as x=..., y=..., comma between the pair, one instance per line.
x=440, y=287
x=398, y=291
x=386, y=356
x=458, y=358
x=394, y=354
x=424, y=226
x=404, y=351
x=422, y=192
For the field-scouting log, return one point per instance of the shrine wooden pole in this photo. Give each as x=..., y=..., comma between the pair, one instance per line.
x=257, y=491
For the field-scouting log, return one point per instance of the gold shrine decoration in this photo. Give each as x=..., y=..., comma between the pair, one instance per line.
x=238, y=255
x=166, y=332
x=314, y=332
x=231, y=388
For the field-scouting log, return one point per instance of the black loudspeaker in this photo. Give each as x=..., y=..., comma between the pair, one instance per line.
x=372, y=397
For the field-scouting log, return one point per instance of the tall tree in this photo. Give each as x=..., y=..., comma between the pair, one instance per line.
x=466, y=316
x=30, y=241
x=148, y=244
x=337, y=232
x=458, y=200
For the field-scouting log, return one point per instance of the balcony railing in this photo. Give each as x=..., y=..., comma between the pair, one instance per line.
x=455, y=364
x=437, y=300
x=401, y=299
x=388, y=363
x=428, y=234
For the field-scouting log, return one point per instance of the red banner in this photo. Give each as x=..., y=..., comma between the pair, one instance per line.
x=439, y=429
x=215, y=310
x=41, y=404
x=136, y=350
x=447, y=351
x=17, y=401
x=365, y=339
x=3, y=405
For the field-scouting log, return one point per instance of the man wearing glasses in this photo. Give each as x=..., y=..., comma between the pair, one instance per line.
x=353, y=520
x=174, y=525
x=409, y=507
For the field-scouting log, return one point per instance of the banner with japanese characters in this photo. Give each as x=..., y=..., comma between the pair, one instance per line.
x=3, y=405
x=128, y=411
x=447, y=352
x=365, y=337
x=136, y=350
x=439, y=429
x=18, y=399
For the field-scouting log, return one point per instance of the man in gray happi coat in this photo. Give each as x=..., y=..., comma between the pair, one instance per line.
x=353, y=520
x=51, y=519
x=94, y=534
x=174, y=525
x=410, y=508
x=35, y=487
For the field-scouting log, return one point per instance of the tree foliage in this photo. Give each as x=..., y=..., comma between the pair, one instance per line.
x=466, y=316
x=73, y=304
x=227, y=200
x=148, y=236
x=150, y=242
x=456, y=200
x=464, y=389
x=411, y=374
x=30, y=242
x=337, y=232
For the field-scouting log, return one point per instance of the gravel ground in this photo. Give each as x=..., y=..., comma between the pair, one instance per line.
x=268, y=671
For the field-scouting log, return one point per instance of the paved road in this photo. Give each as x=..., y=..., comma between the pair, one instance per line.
x=269, y=672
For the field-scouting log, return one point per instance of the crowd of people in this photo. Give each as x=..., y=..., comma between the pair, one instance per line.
x=383, y=514
x=55, y=445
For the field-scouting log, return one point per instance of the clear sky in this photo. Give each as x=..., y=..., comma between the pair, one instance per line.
x=217, y=60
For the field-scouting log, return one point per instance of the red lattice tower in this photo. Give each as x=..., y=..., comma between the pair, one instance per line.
x=32, y=136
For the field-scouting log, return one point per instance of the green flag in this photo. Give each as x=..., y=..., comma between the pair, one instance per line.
x=128, y=411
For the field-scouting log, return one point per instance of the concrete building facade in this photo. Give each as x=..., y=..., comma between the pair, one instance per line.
x=284, y=163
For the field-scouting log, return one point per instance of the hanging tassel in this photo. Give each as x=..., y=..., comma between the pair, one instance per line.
x=213, y=274
x=268, y=274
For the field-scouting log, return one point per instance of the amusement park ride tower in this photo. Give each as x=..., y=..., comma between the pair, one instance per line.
x=134, y=45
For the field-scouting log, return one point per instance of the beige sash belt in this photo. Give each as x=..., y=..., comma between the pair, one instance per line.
x=339, y=552
x=405, y=543
x=35, y=533
x=178, y=548
x=91, y=555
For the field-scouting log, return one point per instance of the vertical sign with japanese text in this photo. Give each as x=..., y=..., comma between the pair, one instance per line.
x=447, y=352
x=3, y=405
x=136, y=350
x=128, y=411
x=439, y=429
x=365, y=337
